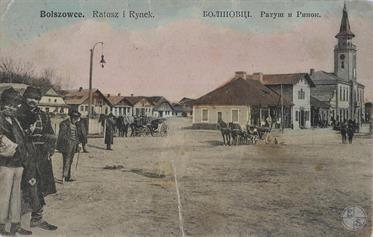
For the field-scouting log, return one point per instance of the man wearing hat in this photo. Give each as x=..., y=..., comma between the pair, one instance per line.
x=109, y=131
x=14, y=153
x=68, y=143
x=38, y=128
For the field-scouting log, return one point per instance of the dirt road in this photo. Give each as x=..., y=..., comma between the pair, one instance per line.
x=298, y=188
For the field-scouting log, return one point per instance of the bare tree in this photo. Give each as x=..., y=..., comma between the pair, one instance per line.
x=15, y=71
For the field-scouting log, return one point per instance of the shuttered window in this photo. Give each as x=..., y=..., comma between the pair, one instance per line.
x=205, y=115
x=235, y=115
x=220, y=116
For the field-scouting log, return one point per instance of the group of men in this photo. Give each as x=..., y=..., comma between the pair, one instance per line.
x=27, y=142
x=347, y=131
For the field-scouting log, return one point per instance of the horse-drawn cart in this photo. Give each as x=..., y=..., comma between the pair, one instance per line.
x=147, y=126
x=158, y=127
x=233, y=134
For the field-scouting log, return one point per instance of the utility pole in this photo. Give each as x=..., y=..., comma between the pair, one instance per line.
x=90, y=86
x=282, y=111
x=90, y=78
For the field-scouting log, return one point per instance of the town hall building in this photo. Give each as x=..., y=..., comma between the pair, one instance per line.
x=340, y=89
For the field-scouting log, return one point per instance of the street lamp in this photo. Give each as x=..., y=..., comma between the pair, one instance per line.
x=90, y=76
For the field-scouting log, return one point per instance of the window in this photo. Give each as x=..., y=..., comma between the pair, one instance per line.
x=55, y=100
x=347, y=98
x=220, y=116
x=49, y=100
x=81, y=108
x=306, y=115
x=343, y=64
x=296, y=115
x=360, y=95
x=340, y=93
x=235, y=115
x=301, y=94
x=344, y=94
x=205, y=115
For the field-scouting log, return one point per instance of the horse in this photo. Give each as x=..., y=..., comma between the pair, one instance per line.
x=135, y=125
x=238, y=136
x=225, y=132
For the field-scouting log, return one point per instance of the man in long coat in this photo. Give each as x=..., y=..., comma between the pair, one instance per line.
x=14, y=155
x=109, y=131
x=83, y=133
x=68, y=143
x=38, y=128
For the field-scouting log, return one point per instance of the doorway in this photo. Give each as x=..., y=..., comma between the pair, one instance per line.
x=302, y=120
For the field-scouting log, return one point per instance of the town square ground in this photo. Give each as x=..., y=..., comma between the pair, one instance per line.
x=299, y=187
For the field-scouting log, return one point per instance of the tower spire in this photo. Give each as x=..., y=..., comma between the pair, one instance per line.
x=345, y=30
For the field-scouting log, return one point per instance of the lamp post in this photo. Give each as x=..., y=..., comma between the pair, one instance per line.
x=90, y=76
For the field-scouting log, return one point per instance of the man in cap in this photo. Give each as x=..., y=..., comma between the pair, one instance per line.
x=14, y=153
x=109, y=131
x=68, y=143
x=39, y=130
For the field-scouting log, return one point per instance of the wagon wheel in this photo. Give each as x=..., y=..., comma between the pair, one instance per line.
x=163, y=130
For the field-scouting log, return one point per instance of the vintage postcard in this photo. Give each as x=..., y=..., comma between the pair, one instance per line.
x=237, y=118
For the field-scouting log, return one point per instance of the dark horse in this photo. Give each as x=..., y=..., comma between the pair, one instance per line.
x=225, y=132
x=238, y=136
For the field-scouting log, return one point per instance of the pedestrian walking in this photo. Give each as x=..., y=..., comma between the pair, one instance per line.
x=109, y=131
x=38, y=128
x=344, y=132
x=68, y=143
x=13, y=154
x=83, y=133
x=350, y=130
x=269, y=121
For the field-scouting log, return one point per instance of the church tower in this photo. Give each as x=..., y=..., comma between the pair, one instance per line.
x=345, y=51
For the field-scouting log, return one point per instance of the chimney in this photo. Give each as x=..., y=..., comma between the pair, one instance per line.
x=131, y=95
x=108, y=95
x=258, y=76
x=312, y=71
x=80, y=89
x=240, y=74
x=118, y=94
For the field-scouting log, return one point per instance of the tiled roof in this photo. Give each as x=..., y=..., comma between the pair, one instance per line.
x=186, y=101
x=240, y=91
x=77, y=97
x=319, y=104
x=286, y=79
x=114, y=100
x=19, y=87
x=324, y=78
x=134, y=99
x=323, y=92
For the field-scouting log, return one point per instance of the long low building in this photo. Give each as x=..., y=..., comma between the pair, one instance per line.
x=241, y=100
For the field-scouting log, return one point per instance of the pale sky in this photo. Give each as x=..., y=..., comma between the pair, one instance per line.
x=179, y=52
